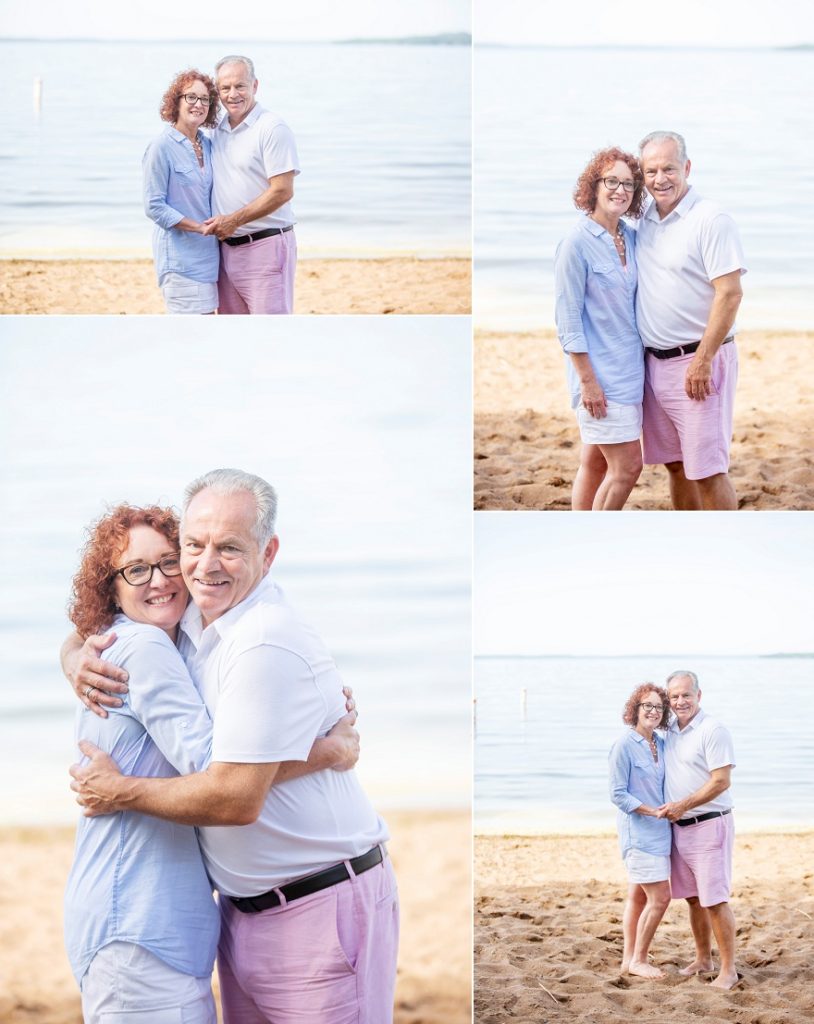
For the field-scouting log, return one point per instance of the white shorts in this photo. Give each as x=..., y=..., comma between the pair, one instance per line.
x=126, y=984
x=646, y=867
x=183, y=295
x=622, y=423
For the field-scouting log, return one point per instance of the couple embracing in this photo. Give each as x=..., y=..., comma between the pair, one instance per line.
x=670, y=779
x=646, y=317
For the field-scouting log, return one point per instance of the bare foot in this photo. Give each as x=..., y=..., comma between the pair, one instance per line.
x=697, y=967
x=625, y=965
x=644, y=970
x=726, y=981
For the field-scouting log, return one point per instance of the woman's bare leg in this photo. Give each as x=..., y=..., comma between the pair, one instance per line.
x=658, y=899
x=624, y=463
x=591, y=473
x=634, y=905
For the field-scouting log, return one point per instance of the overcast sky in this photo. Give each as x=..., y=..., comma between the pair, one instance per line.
x=643, y=583
x=693, y=22
x=207, y=19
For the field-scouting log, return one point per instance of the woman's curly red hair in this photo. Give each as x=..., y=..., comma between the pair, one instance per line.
x=630, y=715
x=598, y=166
x=93, y=605
x=171, y=100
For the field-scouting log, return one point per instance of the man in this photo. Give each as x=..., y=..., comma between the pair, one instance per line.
x=308, y=899
x=698, y=763
x=690, y=263
x=254, y=160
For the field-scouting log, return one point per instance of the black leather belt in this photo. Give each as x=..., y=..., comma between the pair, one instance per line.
x=267, y=233
x=310, y=884
x=701, y=817
x=680, y=350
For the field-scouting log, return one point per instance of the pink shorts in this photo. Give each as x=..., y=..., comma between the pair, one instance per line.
x=328, y=958
x=676, y=428
x=258, y=277
x=701, y=861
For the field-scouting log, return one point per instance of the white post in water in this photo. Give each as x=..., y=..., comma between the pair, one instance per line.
x=523, y=694
x=37, y=95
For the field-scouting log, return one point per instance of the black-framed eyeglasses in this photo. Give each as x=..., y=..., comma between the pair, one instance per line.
x=140, y=573
x=653, y=707
x=611, y=184
x=192, y=99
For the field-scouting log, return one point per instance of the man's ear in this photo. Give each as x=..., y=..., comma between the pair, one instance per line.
x=269, y=554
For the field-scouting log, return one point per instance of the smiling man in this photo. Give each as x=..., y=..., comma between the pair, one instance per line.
x=309, y=906
x=698, y=762
x=254, y=159
x=690, y=264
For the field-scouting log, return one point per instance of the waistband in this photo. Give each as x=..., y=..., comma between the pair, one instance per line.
x=681, y=350
x=266, y=233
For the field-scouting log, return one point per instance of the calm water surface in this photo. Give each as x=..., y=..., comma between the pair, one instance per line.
x=545, y=726
x=383, y=134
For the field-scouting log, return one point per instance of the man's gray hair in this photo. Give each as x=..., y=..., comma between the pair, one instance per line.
x=666, y=137
x=237, y=59
x=233, y=481
x=680, y=674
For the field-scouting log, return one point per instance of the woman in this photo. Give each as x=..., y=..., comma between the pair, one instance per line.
x=595, y=287
x=637, y=788
x=141, y=926
x=177, y=170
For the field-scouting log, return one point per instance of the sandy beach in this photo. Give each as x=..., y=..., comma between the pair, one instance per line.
x=393, y=285
x=527, y=443
x=434, y=986
x=548, y=936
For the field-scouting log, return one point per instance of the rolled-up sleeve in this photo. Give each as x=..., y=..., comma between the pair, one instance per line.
x=155, y=175
x=570, y=275
x=619, y=774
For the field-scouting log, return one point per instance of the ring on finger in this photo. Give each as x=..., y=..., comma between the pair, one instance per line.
x=89, y=691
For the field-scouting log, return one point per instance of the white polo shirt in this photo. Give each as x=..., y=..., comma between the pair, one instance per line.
x=244, y=158
x=271, y=689
x=677, y=259
x=690, y=755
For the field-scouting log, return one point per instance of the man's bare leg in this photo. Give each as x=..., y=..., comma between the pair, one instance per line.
x=723, y=925
x=658, y=898
x=591, y=473
x=702, y=933
x=685, y=494
x=634, y=905
x=717, y=493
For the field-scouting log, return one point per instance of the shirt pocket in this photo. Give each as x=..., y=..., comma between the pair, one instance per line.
x=602, y=272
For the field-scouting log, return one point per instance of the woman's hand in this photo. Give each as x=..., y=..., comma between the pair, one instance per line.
x=593, y=398
x=95, y=682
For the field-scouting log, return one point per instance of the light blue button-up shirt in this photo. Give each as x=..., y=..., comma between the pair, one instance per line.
x=136, y=878
x=636, y=779
x=595, y=310
x=176, y=186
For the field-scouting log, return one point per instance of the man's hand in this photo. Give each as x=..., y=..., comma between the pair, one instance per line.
x=698, y=380
x=673, y=811
x=98, y=784
x=95, y=682
x=224, y=226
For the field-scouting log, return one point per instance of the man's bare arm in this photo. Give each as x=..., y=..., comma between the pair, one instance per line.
x=725, y=304
x=85, y=670
x=720, y=780
x=280, y=190
x=223, y=794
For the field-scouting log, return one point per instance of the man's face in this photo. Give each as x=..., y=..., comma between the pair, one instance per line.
x=684, y=700
x=221, y=560
x=664, y=174
x=236, y=88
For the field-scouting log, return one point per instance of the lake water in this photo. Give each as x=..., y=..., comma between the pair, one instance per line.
x=370, y=454
x=541, y=762
x=540, y=113
x=383, y=134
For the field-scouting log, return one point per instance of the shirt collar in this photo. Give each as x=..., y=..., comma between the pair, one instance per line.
x=192, y=623
x=697, y=718
x=683, y=208
x=248, y=120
